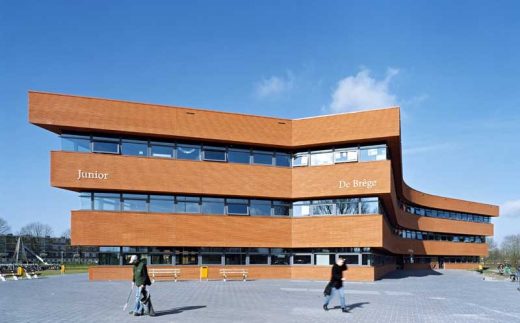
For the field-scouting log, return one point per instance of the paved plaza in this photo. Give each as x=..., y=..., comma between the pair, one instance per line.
x=417, y=296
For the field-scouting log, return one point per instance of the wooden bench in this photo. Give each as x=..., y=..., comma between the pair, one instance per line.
x=5, y=276
x=165, y=272
x=230, y=272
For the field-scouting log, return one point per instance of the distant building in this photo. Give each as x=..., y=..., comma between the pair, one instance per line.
x=282, y=198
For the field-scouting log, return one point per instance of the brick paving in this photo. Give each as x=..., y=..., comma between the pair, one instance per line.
x=417, y=296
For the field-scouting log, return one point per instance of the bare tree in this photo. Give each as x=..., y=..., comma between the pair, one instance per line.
x=494, y=253
x=66, y=234
x=4, y=227
x=511, y=249
x=37, y=230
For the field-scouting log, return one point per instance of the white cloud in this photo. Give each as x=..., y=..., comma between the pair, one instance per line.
x=510, y=209
x=274, y=86
x=362, y=91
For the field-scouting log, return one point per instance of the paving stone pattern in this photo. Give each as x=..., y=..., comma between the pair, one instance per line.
x=415, y=296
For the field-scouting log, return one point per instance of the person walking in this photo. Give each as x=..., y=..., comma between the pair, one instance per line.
x=141, y=280
x=335, y=285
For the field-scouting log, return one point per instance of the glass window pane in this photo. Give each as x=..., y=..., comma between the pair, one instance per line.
x=301, y=209
x=109, y=147
x=345, y=155
x=283, y=159
x=106, y=202
x=301, y=159
x=161, y=204
x=262, y=158
x=321, y=158
x=260, y=207
x=348, y=208
x=258, y=259
x=163, y=151
x=79, y=144
x=302, y=259
x=350, y=259
x=86, y=201
x=281, y=209
x=280, y=259
x=372, y=153
x=188, y=152
x=135, y=205
x=212, y=259
x=240, y=156
x=214, y=153
x=323, y=209
x=134, y=148
x=236, y=206
x=212, y=205
x=235, y=259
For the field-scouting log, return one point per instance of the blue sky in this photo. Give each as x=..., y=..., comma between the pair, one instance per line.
x=454, y=68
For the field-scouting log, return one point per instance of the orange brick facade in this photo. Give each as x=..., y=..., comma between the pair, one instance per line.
x=131, y=174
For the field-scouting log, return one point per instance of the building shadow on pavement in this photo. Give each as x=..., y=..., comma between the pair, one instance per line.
x=399, y=274
x=178, y=310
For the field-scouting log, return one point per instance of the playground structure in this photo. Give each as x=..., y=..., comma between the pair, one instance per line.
x=22, y=267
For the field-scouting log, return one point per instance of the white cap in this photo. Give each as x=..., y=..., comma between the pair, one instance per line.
x=133, y=259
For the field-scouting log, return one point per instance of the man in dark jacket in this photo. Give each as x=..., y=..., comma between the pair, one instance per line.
x=336, y=285
x=141, y=280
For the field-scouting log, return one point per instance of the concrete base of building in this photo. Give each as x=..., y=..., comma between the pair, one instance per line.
x=354, y=273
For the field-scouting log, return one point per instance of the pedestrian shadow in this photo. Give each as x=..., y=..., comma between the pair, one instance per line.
x=350, y=307
x=178, y=310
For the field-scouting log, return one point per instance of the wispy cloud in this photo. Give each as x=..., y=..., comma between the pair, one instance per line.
x=274, y=86
x=362, y=91
x=510, y=209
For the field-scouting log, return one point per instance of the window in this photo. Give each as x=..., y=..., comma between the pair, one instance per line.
x=211, y=259
x=301, y=208
x=235, y=259
x=212, y=205
x=281, y=208
x=302, y=259
x=345, y=155
x=372, y=153
x=161, y=204
x=107, y=202
x=324, y=260
x=85, y=201
x=237, y=206
x=186, y=256
x=369, y=205
x=301, y=159
x=187, y=204
x=262, y=157
x=134, y=148
x=214, y=153
x=190, y=152
x=324, y=157
x=163, y=150
x=280, y=259
x=161, y=259
x=239, y=156
x=135, y=202
x=260, y=207
x=348, y=206
x=255, y=259
x=325, y=207
x=75, y=143
x=105, y=145
x=350, y=259
x=283, y=159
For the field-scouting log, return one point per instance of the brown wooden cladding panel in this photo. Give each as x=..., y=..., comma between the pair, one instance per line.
x=94, y=228
x=353, y=127
x=355, y=273
x=444, y=203
x=143, y=174
x=55, y=111
x=324, y=181
x=338, y=231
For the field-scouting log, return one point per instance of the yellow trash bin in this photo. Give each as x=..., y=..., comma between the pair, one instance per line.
x=19, y=271
x=62, y=269
x=204, y=272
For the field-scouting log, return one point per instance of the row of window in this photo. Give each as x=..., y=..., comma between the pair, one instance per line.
x=419, y=235
x=421, y=211
x=239, y=256
x=186, y=151
x=451, y=259
x=231, y=206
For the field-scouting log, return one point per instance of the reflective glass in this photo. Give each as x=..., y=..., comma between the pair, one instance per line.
x=86, y=201
x=107, y=202
x=212, y=205
x=262, y=158
x=187, y=204
x=281, y=208
x=237, y=206
x=79, y=144
x=369, y=207
x=161, y=204
x=134, y=148
x=134, y=205
x=301, y=209
x=188, y=152
x=372, y=153
x=260, y=207
x=348, y=208
x=345, y=155
x=301, y=159
x=235, y=259
x=323, y=209
x=321, y=158
x=110, y=147
x=258, y=259
x=280, y=259
x=214, y=153
x=211, y=259
x=283, y=160
x=164, y=151
x=302, y=259
x=240, y=156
